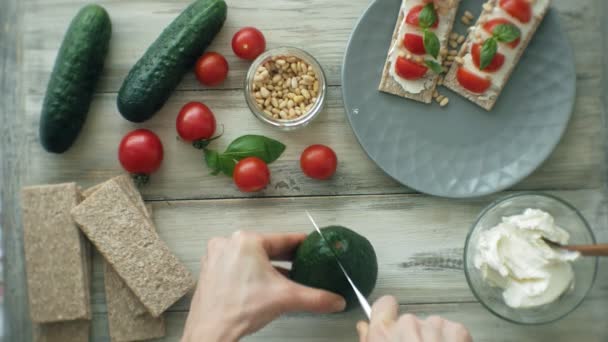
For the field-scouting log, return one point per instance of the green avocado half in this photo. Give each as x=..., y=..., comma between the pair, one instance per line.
x=314, y=263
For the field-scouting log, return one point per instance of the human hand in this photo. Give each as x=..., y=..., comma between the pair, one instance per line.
x=239, y=291
x=384, y=326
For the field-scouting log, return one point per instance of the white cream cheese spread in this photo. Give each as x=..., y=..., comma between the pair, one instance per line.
x=513, y=256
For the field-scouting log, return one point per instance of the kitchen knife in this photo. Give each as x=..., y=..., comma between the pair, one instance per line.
x=364, y=304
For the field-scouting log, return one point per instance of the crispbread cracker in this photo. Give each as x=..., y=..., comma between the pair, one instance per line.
x=125, y=320
x=128, y=319
x=451, y=82
x=71, y=331
x=55, y=255
x=390, y=86
x=127, y=240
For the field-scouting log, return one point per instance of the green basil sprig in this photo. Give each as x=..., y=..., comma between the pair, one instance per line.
x=504, y=33
x=426, y=19
x=436, y=67
x=245, y=146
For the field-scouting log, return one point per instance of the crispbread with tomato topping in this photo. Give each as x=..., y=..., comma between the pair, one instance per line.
x=483, y=100
x=389, y=85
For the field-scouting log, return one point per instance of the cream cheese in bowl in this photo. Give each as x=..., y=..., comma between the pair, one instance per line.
x=513, y=256
x=514, y=273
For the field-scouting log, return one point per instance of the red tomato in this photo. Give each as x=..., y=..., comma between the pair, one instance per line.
x=491, y=24
x=248, y=43
x=251, y=174
x=414, y=43
x=496, y=63
x=408, y=69
x=472, y=82
x=318, y=162
x=140, y=152
x=414, y=13
x=211, y=69
x=195, y=121
x=519, y=9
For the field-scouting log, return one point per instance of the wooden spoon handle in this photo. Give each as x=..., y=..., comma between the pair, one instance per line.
x=589, y=250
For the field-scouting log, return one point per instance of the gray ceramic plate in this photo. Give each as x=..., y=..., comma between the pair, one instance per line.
x=460, y=150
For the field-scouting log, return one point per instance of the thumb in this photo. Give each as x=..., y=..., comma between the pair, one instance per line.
x=362, y=329
x=303, y=298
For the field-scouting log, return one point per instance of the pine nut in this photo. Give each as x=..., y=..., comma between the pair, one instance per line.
x=286, y=87
x=305, y=93
x=444, y=102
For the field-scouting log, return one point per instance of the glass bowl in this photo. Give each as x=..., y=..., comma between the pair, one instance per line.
x=286, y=124
x=568, y=218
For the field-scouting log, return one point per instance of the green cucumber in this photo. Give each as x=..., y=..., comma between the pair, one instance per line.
x=158, y=72
x=77, y=68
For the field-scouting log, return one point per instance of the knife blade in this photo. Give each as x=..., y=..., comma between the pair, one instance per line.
x=362, y=301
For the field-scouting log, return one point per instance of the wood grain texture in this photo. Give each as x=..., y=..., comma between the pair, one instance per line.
x=419, y=240
x=582, y=325
x=17, y=324
x=577, y=162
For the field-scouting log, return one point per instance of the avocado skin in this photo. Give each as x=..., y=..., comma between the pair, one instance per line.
x=314, y=263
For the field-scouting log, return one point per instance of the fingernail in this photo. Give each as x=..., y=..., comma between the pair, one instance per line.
x=339, y=305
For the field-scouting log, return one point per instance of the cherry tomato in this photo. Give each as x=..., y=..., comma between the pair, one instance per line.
x=472, y=82
x=140, y=152
x=409, y=69
x=414, y=13
x=211, y=69
x=491, y=24
x=414, y=43
x=195, y=121
x=496, y=63
x=519, y=9
x=251, y=174
x=248, y=43
x=318, y=162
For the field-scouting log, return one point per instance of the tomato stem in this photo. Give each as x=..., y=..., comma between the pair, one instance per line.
x=140, y=179
x=203, y=143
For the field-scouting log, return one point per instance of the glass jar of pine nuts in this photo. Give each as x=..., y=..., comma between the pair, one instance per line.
x=286, y=88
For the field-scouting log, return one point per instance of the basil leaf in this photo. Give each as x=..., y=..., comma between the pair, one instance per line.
x=488, y=51
x=227, y=164
x=212, y=160
x=219, y=163
x=427, y=17
x=259, y=146
x=506, y=33
x=436, y=67
x=431, y=43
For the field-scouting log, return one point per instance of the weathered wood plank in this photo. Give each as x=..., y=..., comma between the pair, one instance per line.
x=320, y=26
x=575, y=164
x=584, y=324
x=17, y=325
x=419, y=240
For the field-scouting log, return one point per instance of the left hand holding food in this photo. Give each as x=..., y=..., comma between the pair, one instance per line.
x=239, y=291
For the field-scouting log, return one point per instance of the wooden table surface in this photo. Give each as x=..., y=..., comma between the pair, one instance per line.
x=419, y=239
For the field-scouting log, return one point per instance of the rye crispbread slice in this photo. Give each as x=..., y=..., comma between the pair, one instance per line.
x=482, y=100
x=128, y=319
x=390, y=86
x=70, y=331
x=55, y=254
x=127, y=240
